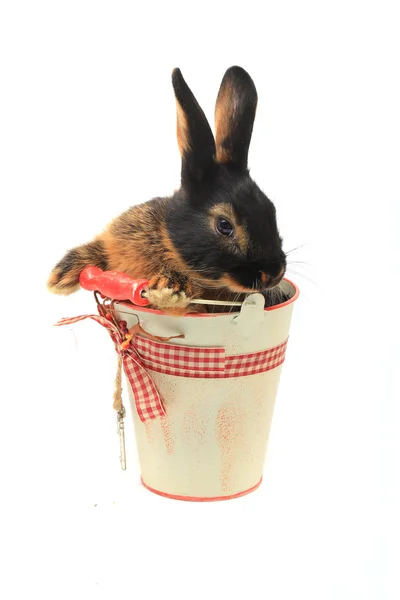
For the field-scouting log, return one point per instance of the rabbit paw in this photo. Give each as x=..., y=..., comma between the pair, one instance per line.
x=63, y=282
x=169, y=294
x=64, y=278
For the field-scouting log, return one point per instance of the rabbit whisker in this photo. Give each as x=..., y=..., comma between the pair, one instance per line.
x=297, y=274
x=295, y=249
x=236, y=298
x=218, y=297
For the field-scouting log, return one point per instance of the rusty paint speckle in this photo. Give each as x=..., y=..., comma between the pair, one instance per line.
x=194, y=426
x=227, y=430
x=148, y=426
x=168, y=435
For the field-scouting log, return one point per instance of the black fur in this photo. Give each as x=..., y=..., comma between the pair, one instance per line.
x=196, y=256
x=205, y=250
x=198, y=159
x=207, y=182
x=78, y=258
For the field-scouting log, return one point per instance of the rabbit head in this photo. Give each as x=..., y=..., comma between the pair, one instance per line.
x=220, y=222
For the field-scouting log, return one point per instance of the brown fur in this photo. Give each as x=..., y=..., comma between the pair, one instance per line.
x=132, y=241
x=277, y=279
x=223, y=118
x=171, y=255
x=182, y=129
x=136, y=243
x=234, y=116
x=69, y=285
x=64, y=278
x=232, y=284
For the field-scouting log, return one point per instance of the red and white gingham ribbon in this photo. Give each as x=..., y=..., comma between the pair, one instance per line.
x=147, y=399
x=189, y=361
x=180, y=361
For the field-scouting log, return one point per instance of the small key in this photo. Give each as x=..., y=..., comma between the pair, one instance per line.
x=121, y=431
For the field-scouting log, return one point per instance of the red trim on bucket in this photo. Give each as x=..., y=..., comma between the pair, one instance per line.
x=201, y=498
x=292, y=299
x=160, y=312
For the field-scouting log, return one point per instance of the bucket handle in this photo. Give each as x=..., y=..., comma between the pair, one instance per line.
x=119, y=286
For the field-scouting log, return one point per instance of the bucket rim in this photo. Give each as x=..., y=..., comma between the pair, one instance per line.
x=155, y=311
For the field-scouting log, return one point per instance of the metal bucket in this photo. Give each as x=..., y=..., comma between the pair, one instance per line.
x=218, y=386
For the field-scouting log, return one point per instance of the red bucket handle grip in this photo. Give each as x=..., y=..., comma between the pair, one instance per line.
x=114, y=284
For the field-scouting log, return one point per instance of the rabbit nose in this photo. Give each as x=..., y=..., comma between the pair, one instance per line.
x=273, y=281
x=269, y=281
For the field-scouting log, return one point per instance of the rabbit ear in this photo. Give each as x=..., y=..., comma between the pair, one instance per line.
x=235, y=111
x=195, y=139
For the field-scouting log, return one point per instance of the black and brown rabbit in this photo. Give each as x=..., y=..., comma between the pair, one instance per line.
x=218, y=231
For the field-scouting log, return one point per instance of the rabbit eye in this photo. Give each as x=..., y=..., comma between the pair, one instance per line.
x=224, y=227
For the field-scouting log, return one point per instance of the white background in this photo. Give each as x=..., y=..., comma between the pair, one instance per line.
x=87, y=129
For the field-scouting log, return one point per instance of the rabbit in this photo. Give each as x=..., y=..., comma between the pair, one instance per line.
x=216, y=234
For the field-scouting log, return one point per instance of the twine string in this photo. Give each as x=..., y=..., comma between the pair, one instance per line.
x=117, y=405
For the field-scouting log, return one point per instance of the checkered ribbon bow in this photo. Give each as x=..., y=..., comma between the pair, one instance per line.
x=147, y=399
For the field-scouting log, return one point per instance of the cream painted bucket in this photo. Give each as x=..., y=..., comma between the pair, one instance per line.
x=211, y=444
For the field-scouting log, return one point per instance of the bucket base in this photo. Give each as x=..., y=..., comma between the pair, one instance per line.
x=200, y=498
